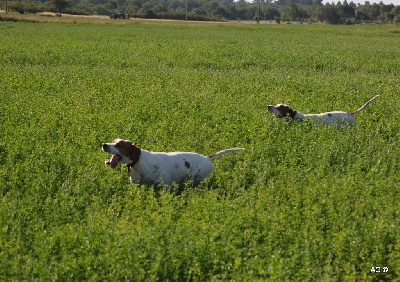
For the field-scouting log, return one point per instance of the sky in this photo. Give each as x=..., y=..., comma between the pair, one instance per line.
x=387, y=2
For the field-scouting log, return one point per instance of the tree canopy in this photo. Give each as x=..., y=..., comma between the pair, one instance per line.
x=285, y=10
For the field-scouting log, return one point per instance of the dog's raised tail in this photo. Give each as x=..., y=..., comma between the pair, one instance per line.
x=363, y=107
x=217, y=154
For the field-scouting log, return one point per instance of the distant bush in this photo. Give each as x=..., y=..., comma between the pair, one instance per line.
x=396, y=20
x=24, y=7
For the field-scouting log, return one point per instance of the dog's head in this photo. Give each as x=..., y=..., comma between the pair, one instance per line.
x=282, y=111
x=123, y=151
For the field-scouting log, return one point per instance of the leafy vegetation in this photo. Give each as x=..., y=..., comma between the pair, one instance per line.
x=303, y=202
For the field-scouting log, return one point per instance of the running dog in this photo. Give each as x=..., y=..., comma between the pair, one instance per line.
x=328, y=118
x=156, y=167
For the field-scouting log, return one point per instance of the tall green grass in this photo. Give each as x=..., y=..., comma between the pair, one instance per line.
x=303, y=202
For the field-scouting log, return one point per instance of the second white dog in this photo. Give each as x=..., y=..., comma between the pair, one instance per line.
x=335, y=117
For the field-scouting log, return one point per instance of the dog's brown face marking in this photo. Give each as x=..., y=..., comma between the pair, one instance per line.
x=285, y=111
x=125, y=147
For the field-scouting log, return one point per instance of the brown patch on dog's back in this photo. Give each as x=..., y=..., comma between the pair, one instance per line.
x=187, y=164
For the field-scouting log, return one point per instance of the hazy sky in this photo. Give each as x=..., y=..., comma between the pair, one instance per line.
x=394, y=2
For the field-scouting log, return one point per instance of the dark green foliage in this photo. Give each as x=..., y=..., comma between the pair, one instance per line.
x=329, y=13
x=61, y=5
x=200, y=10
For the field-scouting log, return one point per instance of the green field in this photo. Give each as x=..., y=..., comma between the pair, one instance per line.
x=302, y=203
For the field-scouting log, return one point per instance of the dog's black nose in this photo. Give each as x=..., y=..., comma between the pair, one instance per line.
x=104, y=146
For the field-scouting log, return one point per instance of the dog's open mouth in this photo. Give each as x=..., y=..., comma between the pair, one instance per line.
x=113, y=162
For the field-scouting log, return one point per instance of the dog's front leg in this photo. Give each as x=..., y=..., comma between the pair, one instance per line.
x=135, y=176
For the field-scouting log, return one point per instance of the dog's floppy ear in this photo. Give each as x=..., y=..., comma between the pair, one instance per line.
x=135, y=154
x=124, y=147
x=286, y=111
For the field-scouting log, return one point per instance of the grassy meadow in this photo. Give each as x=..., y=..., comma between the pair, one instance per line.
x=301, y=203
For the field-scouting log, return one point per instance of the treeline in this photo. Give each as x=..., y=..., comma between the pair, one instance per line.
x=221, y=10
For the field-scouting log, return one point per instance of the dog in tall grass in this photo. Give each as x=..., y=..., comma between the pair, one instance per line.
x=155, y=167
x=329, y=118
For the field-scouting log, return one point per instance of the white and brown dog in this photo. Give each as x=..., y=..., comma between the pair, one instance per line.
x=335, y=117
x=156, y=167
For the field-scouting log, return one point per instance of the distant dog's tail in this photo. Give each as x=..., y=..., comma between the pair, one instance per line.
x=224, y=152
x=363, y=107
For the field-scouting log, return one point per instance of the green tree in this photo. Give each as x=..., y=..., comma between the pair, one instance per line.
x=269, y=13
x=346, y=11
x=396, y=20
x=294, y=13
x=61, y=5
x=328, y=13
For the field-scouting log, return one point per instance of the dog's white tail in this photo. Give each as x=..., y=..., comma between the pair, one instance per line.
x=363, y=107
x=224, y=152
